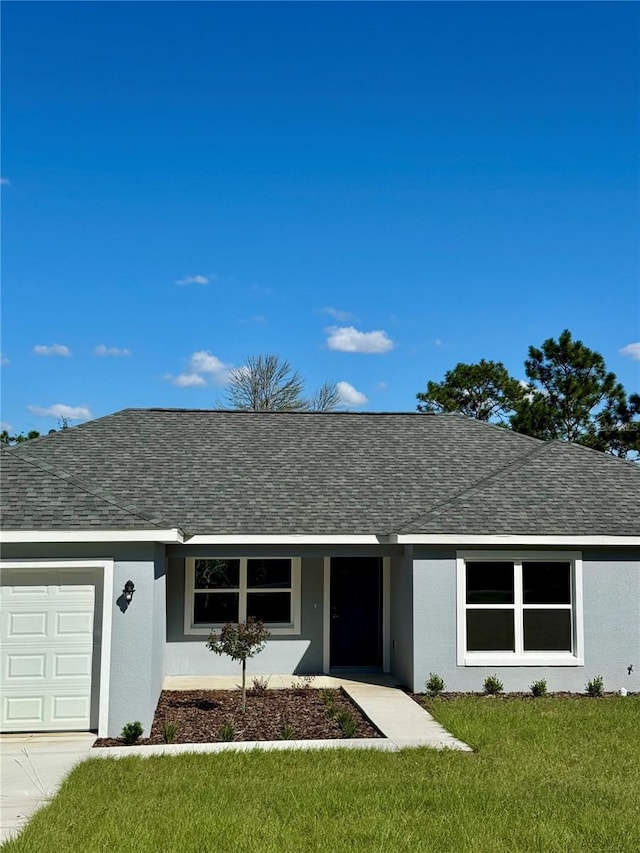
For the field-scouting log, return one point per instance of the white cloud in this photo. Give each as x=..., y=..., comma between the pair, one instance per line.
x=349, y=339
x=632, y=351
x=60, y=410
x=5, y=426
x=187, y=380
x=203, y=369
x=340, y=316
x=54, y=349
x=5, y=182
x=382, y=386
x=349, y=396
x=437, y=342
x=4, y=360
x=193, y=279
x=203, y=362
x=101, y=349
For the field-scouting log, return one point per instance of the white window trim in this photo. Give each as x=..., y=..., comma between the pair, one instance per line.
x=575, y=658
x=277, y=630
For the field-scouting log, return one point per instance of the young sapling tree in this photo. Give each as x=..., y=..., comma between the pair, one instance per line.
x=240, y=641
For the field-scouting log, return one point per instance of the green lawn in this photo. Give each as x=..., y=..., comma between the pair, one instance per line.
x=548, y=775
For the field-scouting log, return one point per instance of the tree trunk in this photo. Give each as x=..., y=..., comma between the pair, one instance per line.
x=244, y=690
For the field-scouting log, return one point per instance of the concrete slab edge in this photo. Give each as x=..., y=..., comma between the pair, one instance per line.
x=380, y=744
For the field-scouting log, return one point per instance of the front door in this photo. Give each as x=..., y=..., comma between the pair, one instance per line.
x=356, y=612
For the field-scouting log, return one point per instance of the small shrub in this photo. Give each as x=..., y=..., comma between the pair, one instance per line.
x=539, y=688
x=227, y=732
x=259, y=686
x=327, y=695
x=595, y=687
x=169, y=732
x=286, y=733
x=303, y=683
x=492, y=685
x=434, y=684
x=347, y=723
x=131, y=732
x=240, y=642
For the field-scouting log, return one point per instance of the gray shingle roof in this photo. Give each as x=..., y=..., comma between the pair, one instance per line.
x=211, y=472
x=34, y=496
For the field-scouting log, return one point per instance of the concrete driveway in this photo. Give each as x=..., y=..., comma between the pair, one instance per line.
x=31, y=770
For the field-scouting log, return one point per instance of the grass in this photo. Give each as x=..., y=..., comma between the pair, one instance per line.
x=550, y=774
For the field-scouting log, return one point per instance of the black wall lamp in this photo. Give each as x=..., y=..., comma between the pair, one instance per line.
x=128, y=591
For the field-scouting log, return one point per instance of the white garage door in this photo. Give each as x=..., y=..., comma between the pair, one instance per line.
x=48, y=649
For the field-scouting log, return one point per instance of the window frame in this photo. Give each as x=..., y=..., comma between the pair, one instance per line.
x=520, y=657
x=275, y=629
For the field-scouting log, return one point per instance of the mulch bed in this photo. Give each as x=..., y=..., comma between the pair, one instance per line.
x=506, y=697
x=290, y=714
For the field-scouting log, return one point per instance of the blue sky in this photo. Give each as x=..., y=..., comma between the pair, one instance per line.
x=374, y=192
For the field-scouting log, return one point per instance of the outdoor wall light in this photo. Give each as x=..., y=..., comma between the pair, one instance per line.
x=128, y=591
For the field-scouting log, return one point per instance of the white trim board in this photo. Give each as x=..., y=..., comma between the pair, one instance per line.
x=106, y=564
x=174, y=536
x=170, y=536
x=511, y=541
x=289, y=539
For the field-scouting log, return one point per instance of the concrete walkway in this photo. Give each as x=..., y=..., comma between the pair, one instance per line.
x=399, y=718
x=32, y=768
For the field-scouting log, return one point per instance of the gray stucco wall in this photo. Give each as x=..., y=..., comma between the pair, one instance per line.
x=611, y=590
x=300, y=653
x=137, y=633
x=158, y=622
x=401, y=617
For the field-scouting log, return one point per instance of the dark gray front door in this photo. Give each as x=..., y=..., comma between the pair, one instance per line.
x=356, y=612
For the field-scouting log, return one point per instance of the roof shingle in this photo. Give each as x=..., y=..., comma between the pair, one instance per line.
x=211, y=472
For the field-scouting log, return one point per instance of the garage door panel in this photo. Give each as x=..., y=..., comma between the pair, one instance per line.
x=19, y=667
x=74, y=624
x=72, y=666
x=25, y=624
x=70, y=710
x=72, y=593
x=31, y=711
x=23, y=711
x=47, y=654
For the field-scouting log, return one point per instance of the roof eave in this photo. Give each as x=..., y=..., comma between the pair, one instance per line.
x=169, y=536
x=513, y=539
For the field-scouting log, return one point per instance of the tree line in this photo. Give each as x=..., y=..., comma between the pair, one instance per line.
x=569, y=395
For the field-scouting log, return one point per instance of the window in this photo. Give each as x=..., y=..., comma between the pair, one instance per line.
x=519, y=609
x=231, y=589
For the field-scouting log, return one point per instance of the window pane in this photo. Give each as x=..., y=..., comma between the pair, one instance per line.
x=269, y=606
x=217, y=574
x=489, y=583
x=547, y=583
x=215, y=607
x=490, y=631
x=547, y=630
x=271, y=574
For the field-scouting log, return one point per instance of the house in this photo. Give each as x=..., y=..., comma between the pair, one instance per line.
x=406, y=543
